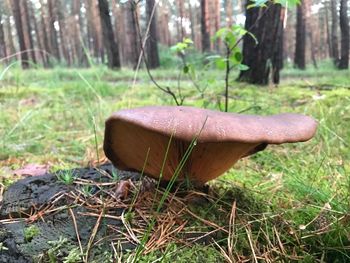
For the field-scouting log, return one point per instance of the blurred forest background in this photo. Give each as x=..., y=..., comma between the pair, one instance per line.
x=80, y=33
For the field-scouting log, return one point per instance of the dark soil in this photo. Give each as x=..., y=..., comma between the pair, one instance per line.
x=26, y=199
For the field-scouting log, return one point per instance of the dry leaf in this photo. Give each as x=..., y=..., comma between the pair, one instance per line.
x=32, y=170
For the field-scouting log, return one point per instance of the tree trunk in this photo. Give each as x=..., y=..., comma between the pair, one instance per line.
x=61, y=11
x=44, y=35
x=152, y=40
x=3, y=53
x=118, y=27
x=266, y=55
x=329, y=38
x=94, y=28
x=9, y=37
x=181, y=15
x=334, y=32
x=27, y=30
x=300, y=40
x=78, y=43
x=310, y=33
x=108, y=35
x=345, y=38
x=53, y=40
x=205, y=26
x=192, y=17
x=229, y=12
x=216, y=20
x=164, y=35
x=132, y=43
x=16, y=9
x=41, y=54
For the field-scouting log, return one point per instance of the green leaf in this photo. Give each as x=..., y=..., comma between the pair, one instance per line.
x=242, y=67
x=288, y=3
x=186, y=69
x=257, y=3
x=213, y=57
x=187, y=41
x=221, y=63
x=238, y=56
x=239, y=30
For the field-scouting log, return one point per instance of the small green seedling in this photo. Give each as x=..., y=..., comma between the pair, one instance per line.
x=31, y=232
x=66, y=177
x=87, y=190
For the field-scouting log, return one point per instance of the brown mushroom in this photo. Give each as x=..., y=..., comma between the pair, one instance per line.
x=138, y=139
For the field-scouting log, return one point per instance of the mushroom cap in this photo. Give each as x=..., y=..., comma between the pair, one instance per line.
x=222, y=138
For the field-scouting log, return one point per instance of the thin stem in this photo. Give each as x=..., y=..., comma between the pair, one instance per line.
x=227, y=75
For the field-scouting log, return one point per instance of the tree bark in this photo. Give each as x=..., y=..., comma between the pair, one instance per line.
x=9, y=37
x=78, y=43
x=164, y=35
x=28, y=30
x=53, y=39
x=205, y=26
x=181, y=14
x=61, y=11
x=300, y=39
x=94, y=28
x=132, y=43
x=44, y=35
x=345, y=38
x=229, y=12
x=108, y=35
x=3, y=53
x=192, y=17
x=41, y=54
x=152, y=40
x=329, y=38
x=334, y=32
x=266, y=56
x=16, y=9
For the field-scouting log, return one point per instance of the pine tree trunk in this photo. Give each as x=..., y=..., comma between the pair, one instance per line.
x=192, y=16
x=152, y=40
x=310, y=33
x=132, y=42
x=76, y=27
x=108, y=35
x=164, y=35
x=60, y=7
x=27, y=31
x=9, y=37
x=334, y=32
x=94, y=28
x=300, y=40
x=205, y=26
x=53, y=39
x=39, y=42
x=3, y=53
x=329, y=39
x=181, y=13
x=345, y=38
x=16, y=9
x=264, y=58
x=44, y=35
x=216, y=19
x=118, y=27
x=229, y=12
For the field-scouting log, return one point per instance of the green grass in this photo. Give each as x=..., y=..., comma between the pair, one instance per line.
x=287, y=193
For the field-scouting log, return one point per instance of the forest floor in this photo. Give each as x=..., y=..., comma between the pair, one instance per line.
x=288, y=203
